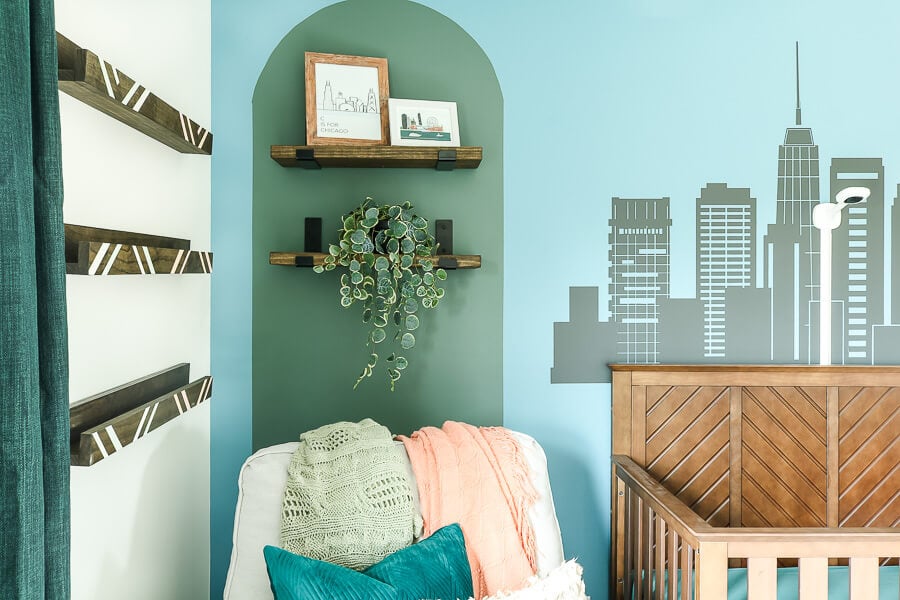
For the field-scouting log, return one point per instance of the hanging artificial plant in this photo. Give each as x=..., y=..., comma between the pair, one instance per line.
x=389, y=255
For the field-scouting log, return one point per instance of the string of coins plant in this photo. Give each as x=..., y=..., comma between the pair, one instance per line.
x=389, y=256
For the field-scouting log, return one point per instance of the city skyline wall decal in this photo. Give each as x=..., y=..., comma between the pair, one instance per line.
x=743, y=310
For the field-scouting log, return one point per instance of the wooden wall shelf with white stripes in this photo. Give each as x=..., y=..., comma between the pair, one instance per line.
x=107, y=422
x=86, y=76
x=95, y=251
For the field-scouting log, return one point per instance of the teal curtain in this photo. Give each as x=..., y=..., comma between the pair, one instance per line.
x=34, y=405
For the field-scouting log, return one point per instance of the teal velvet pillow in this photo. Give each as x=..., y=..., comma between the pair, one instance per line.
x=435, y=568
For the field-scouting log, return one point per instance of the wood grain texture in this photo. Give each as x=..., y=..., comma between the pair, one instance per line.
x=96, y=251
x=311, y=59
x=863, y=579
x=100, y=441
x=409, y=157
x=735, y=466
x=712, y=571
x=869, y=457
x=686, y=448
x=289, y=259
x=783, y=482
x=93, y=410
x=813, y=576
x=761, y=578
x=86, y=76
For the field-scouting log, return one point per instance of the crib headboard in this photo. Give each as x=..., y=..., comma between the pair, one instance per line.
x=766, y=446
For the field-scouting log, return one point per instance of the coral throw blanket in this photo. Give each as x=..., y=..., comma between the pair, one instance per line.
x=478, y=477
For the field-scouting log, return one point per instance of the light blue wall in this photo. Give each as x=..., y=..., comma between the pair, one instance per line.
x=619, y=98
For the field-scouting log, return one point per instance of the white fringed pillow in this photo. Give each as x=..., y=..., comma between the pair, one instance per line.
x=562, y=583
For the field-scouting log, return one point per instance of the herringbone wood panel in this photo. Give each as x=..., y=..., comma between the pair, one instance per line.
x=687, y=446
x=869, y=456
x=783, y=478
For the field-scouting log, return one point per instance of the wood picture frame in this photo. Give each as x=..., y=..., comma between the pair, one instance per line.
x=346, y=100
x=423, y=123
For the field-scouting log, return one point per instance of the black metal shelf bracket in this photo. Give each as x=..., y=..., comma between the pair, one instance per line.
x=446, y=160
x=443, y=235
x=312, y=234
x=306, y=158
x=303, y=261
x=446, y=262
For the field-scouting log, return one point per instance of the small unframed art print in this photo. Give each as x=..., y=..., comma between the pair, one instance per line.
x=346, y=99
x=423, y=123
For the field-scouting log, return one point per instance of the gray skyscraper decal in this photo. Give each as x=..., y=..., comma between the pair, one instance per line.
x=791, y=246
x=639, y=256
x=857, y=265
x=895, y=258
x=726, y=255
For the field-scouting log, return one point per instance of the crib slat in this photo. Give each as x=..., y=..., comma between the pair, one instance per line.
x=712, y=571
x=863, y=579
x=660, y=558
x=640, y=539
x=687, y=565
x=627, y=590
x=672, y=571
x=813, y=578
x=647, y=560
x=761, y=578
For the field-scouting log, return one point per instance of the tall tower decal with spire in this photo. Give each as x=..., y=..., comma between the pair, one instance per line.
x=792, y=245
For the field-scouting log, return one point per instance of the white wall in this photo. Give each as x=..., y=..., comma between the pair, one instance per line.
x=140, y=518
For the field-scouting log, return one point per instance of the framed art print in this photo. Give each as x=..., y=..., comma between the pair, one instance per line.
x=423, y=123
x=346, y=99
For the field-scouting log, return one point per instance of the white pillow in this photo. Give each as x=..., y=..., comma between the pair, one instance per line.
x=542, y=514
x=562, y=583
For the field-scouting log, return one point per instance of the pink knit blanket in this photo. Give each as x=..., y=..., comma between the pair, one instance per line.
x=478, y=477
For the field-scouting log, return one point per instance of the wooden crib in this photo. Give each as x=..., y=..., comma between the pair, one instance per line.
x=718, y=466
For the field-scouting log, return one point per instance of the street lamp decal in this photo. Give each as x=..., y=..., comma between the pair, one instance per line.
x=827, y=217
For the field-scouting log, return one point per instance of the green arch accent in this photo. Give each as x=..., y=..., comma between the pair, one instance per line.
x=307, y=350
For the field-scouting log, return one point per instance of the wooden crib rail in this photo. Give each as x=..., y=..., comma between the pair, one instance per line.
x=664, y=551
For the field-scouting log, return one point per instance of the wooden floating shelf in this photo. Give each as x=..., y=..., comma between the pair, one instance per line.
x=421, y=157
x=311, y=259
x=86, y=76
x=95, y=251
x=107, y=422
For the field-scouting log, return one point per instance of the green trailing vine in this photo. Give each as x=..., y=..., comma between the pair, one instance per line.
x=389, y=256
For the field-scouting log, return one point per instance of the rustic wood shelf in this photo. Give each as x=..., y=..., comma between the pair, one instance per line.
x=106, y=422
x=421, y=157
x=87, y=77
x=311, y=259
x=95, y=251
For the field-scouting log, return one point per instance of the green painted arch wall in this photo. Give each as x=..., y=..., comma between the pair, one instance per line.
x=307, y=350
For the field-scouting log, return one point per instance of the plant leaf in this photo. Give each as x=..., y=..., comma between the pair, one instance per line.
x=441, y=274
x=407, y=341
x=378, y=335
x=412, y=322
x=401, y=363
